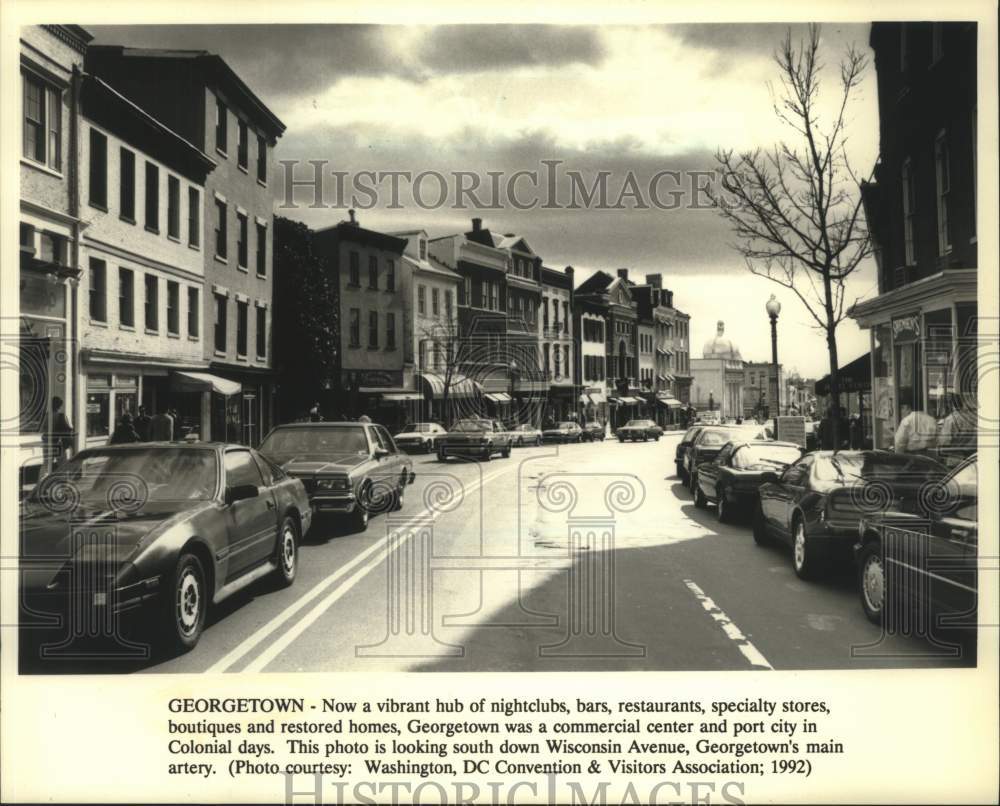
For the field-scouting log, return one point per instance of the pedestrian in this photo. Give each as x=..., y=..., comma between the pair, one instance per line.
x=826, y=429
x=364, y=418
x=142, y=423
x=124, y=431
x=161, y=427
x=959, y=428
x=917, y=431
x=57, y=433
x=314, y=414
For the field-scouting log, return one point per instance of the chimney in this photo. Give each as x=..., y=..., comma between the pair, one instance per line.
x=353, y=222
x=477, y=224
x=655, y=280
x=623, y=273
x=670, y=299
x=568, y=271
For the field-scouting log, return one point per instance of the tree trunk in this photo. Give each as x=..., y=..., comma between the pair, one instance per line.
x=831, y=344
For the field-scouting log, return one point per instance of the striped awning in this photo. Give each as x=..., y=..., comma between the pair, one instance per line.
x=498, y=397
x=402, y=397
x=460, y=385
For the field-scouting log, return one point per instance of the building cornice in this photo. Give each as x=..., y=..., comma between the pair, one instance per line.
x=950, y=285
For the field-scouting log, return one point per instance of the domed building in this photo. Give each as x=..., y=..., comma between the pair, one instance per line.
x=717, y=377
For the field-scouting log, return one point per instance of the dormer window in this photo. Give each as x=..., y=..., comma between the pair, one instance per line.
x=423, y=249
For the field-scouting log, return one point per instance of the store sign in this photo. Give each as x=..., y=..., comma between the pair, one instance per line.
x=791, y=429
x=377, y=377
x=906, y=329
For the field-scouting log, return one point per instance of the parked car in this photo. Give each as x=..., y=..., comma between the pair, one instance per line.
x=681, y=451
x=172, y=530
x=476, y=438
x=709, y=441
x=420, y=437
x=732, y=479
x=635, y=430
x=593, y=432
x=563, y=432
x=816, y=504
x=526, y=434
x=928, y=559
x=349, y=469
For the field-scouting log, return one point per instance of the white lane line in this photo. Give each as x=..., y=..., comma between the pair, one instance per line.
x=250, y=643
x=750, y=652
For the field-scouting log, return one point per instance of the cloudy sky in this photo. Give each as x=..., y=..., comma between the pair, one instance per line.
x=485, y=98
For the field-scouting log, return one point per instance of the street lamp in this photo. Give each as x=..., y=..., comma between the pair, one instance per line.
x=513, y=380
x=773, y=308
x=711, y=399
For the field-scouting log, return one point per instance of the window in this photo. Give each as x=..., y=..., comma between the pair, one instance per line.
x=126, y=297
x=372, y=272
x=126, y=190
x=98, y=290
x=241, y=328
x=221, y=132
x=194, y=217
x=354, y=322
x=261, y=249
x=261, y=332
x=42, y=122
x=421, y=300
x=373, y=328
x=467, y=291
x=390, y=331
x=909, y=212
x=152, y=302
x=242, y=145
x=241, y=243
x=435, y=302
x=390, y=275
x=942, y=164
x=193, y=312
x=173, y=308
x=355, y=269
x=447, y=305
x=242, y=470
x=261, y=159
x=220, y=228
x=98, y=170
x=566, y=360
x=220, y=323
x=545, y=312
x=423, y=249
x=152, y=197
x=565, y=316
x=173, y=207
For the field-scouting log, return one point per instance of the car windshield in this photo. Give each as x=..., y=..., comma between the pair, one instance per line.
x=471, y=426
x=774, y=456
x=420, y=428
x=715, y=437
x=594, y=425
x=567, y=425
x=132, y=474
x=639, y=424
x=317, y=441
x=889, y=466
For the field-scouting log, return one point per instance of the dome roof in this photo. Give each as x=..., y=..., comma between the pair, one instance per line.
x=720, y=346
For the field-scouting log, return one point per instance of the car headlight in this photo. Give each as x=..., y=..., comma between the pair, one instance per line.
x=332, y=484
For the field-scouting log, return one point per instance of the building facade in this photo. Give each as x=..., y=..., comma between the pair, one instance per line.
x=921, y=211
x=199, y=97
x=590, y=322
x=758, y=389
x=556, y=336
x=718, y=377
x=51, y=61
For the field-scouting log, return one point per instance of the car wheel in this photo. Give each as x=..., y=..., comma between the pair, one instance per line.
x=287, y=552
x=621, y=440
x=656, y=439
x=505, y=453
x=487, y=455
x=360, y=515
x=804, y=552
x=722, y=505
x=186, y=604
x=760, y=536
x=538, y=442
x=441, y=456
x=692, y=482
x=700, y=500
x=872, y=582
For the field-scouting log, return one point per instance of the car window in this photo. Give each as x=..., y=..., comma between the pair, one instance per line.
x=241, y=469
x=265, y=470
x=318, y=441
x=386, y=439
x=713, y=438
x=799, y=472
x=471, y=426
x=769, y=457
x=724, y=454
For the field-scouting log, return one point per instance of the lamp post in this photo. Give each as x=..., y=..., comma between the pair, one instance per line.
x=514, y=372
x=773, y=308
x=711, y=400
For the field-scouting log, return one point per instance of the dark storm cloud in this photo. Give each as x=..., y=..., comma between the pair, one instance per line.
x=300, y=60
x=736, y=39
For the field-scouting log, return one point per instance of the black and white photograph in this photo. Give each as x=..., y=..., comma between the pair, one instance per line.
x=434, y=346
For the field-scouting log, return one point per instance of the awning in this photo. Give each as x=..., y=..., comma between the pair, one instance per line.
x=585, y=400
x=853, y=377
x=662, y=351
x=669, y=402
x=460, y=385
x=204, y=382
x=498, y=397
x=630, y=401
x=401, y=397
x=615, y=401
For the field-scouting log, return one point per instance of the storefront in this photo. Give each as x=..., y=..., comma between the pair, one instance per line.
x=463, y=397
x=924, y=347
x=854, y=381
x=593, y=405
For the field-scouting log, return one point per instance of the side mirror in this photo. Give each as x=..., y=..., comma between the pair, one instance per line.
x=241, y=492
x=769, y=477
x=378, y=453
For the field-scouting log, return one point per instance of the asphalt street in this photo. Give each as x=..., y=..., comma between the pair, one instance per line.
x=572, y=557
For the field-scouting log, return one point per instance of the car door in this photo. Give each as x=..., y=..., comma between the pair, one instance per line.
x=780, y=497
x=252, y=523
x=392, y=463
x=953, y=549
x=708, y=473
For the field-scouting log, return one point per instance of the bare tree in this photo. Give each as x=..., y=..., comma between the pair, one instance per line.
x=442, y=346
x=796, y=208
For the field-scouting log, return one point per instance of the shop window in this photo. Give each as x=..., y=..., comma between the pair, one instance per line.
x=938, y=361
x=98, y=405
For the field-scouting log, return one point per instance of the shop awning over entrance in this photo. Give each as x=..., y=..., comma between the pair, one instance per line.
x=853, y=377
x=669, y=402
x=499, y=397
x=460, y=385
x=204, y=382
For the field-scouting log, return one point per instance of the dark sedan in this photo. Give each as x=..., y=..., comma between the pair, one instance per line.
x=816, y=504
x=928, y=558
x=160, y=531
x=681, y=451
x=709, y=442
x=635, y=430
x=350, y=469
x=563, y=432
x=593, y=432
x=732, y=479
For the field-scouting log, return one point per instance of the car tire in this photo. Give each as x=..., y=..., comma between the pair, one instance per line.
x=487, y=455
x=722, y=505
x=700, y=500
x=185, y=605
x=505, y=453
x=759, y=527
x=805, y=555
x=656, y=439
x=538, y=442
x=621, y=440
x=692, y=482
x=360, y=516
x=441, y=457
x=287, y=556
x=872, y=582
